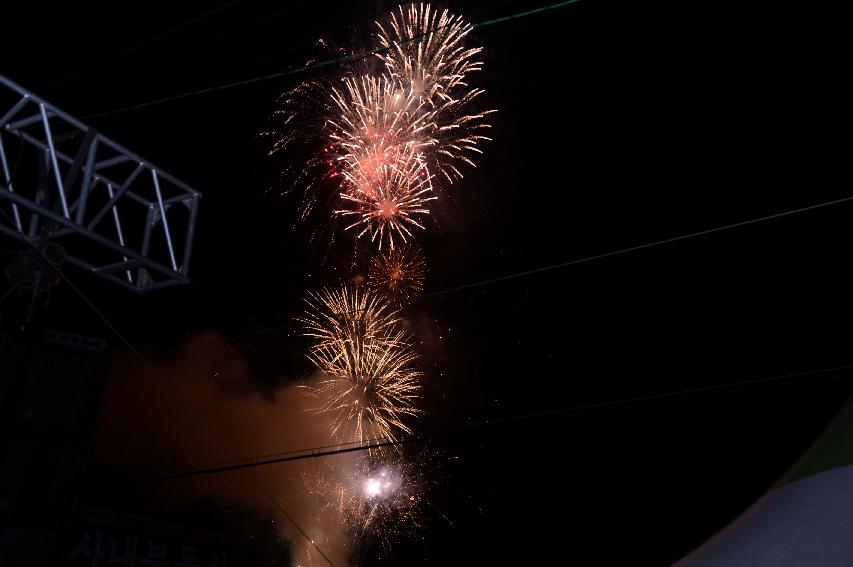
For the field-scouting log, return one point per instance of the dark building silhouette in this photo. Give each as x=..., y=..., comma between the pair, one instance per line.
x=50, y=389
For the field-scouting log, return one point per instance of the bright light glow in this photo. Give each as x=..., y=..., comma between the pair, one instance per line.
x=372, y=487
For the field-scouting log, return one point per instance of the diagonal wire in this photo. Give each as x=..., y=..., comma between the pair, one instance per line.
x=373, y=16
x=552, y=267
x=312, y=67
x=235, y=31
x=523, y=14
x=701, y=392
x=636, y=248
x=145, y=43
x=217, y=440
x=9, y=291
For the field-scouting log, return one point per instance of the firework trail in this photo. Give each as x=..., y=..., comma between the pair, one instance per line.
x=300, y=134
x=398, y=274
x=368, y=383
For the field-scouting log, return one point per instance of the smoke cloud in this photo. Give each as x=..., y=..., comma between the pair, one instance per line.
x=210, y=411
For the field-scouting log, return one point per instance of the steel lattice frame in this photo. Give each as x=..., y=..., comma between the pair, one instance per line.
x=116, y=215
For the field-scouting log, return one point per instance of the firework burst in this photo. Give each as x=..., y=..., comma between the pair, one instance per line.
x=388, y=191
x=333, y=316
x=381, y=496
x=368, y=387
x=370, y=143
x=424, y=52
x=375, y=140
x=397, y=274
x=368, y=382
x=388, y=499
x=372, y=116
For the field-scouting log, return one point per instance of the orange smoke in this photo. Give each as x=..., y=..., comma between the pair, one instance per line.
x=207, y=412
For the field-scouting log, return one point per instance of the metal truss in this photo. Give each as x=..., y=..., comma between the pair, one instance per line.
x=117, y=215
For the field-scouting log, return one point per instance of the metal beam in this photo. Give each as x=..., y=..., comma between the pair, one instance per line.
x=95, y=237
x=70, y=178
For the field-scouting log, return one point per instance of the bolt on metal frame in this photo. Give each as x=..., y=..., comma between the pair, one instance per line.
x=138, y=221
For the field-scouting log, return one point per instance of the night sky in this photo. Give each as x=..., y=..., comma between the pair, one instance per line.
x=618, y=124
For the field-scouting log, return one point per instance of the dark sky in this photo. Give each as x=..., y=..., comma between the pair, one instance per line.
x=619, y=123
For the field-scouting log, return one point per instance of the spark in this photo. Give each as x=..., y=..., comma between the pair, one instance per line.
x=382, y=495
x=397, y=274
x=301, y=141
x=390, y=503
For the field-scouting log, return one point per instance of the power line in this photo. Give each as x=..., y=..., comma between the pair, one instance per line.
x=552, y=267
x=235, y=31
x=311, y=67
x=9, y=291
x=524, y=14
x=372, y=17
x=141, y=45
x=808, y=376
x=645, y=246
x=265, y=93
x=257, y=61
x=217, y=440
